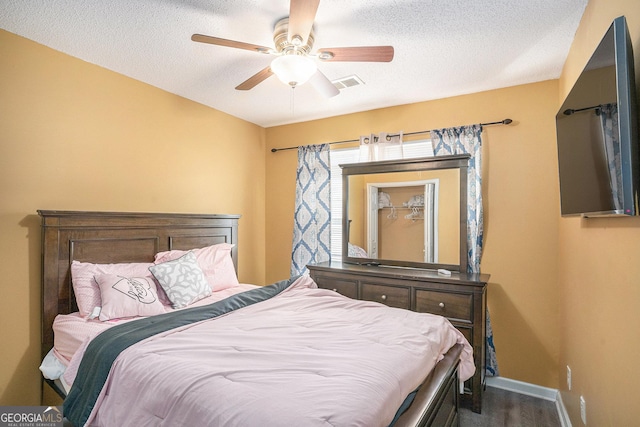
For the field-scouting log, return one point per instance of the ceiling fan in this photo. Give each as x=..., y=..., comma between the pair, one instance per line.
x=293, y=39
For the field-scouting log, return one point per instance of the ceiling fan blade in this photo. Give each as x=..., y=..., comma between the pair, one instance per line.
x=254, y=80
x=323, y=85
x=230, y=43
x=302, y=13
x=360, y=53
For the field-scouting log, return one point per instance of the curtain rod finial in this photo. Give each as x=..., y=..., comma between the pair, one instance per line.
x=507, y=121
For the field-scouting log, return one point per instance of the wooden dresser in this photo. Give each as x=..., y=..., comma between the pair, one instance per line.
x=460, y=297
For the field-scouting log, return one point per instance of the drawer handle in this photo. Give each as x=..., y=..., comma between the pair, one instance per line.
x=334, y=290
x=441, y=305
x=384, y=297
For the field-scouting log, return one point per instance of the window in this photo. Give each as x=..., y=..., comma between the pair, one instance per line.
x=339, y=156
x=336, y=158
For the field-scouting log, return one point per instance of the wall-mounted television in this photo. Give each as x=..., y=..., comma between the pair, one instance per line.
x=597, y=133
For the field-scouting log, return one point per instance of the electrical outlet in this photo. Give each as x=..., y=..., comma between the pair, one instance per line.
x=583, y=410
x=568, y=378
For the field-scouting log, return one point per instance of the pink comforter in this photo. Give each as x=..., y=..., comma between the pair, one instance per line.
x=306, y=357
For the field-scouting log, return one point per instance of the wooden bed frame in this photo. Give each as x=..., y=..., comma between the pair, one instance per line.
x=115, y=237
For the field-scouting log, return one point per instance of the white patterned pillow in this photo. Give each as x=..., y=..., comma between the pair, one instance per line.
x=182, y=280
x=215, y=261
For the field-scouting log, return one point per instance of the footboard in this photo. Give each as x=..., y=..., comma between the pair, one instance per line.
x=436, y=403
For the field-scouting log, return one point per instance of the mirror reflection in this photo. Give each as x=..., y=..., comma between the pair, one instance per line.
x=406, y=213
x=411, y=216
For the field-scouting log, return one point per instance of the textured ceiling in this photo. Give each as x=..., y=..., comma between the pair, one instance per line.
x=443, y=48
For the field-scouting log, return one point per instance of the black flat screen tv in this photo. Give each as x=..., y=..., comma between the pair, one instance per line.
x=597, y=133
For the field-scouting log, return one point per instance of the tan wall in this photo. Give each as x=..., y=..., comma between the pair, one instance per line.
x=599, y=273
x=521, y=208
x=78, y=137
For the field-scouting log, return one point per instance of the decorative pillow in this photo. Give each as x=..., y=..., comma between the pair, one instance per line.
x=86, y=289
x=215, y=261
x=182, y=280
x=128, y=296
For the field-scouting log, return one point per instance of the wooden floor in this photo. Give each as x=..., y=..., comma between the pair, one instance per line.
x=506, y=408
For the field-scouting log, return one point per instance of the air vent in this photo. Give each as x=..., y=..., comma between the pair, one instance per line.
x=348, y=81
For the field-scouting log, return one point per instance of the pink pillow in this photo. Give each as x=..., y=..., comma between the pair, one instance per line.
x=215, y=261
x=128, y=296
x=86, y=289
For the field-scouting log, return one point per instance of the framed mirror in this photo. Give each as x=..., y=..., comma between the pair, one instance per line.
x=406, y=213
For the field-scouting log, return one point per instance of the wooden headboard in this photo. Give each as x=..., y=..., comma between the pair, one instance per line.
x=113, y=237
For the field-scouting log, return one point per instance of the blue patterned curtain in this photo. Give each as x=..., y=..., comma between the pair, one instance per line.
x=491, y=362
x=467, y=140
x=312, y=215
x=609, y=121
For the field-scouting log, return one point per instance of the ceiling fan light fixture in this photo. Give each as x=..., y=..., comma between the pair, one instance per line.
x=293, y=70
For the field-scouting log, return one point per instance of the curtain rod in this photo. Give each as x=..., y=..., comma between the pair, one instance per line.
x=570, y=111
x=501, y=122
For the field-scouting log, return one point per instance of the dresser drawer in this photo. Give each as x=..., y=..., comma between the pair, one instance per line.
x=393, y=296
x=450, y=305
x=348, y=288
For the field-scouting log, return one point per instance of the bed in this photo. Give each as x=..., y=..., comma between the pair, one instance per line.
x=72, y=238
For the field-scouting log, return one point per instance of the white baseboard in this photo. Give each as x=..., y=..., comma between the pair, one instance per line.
x=528, y=389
